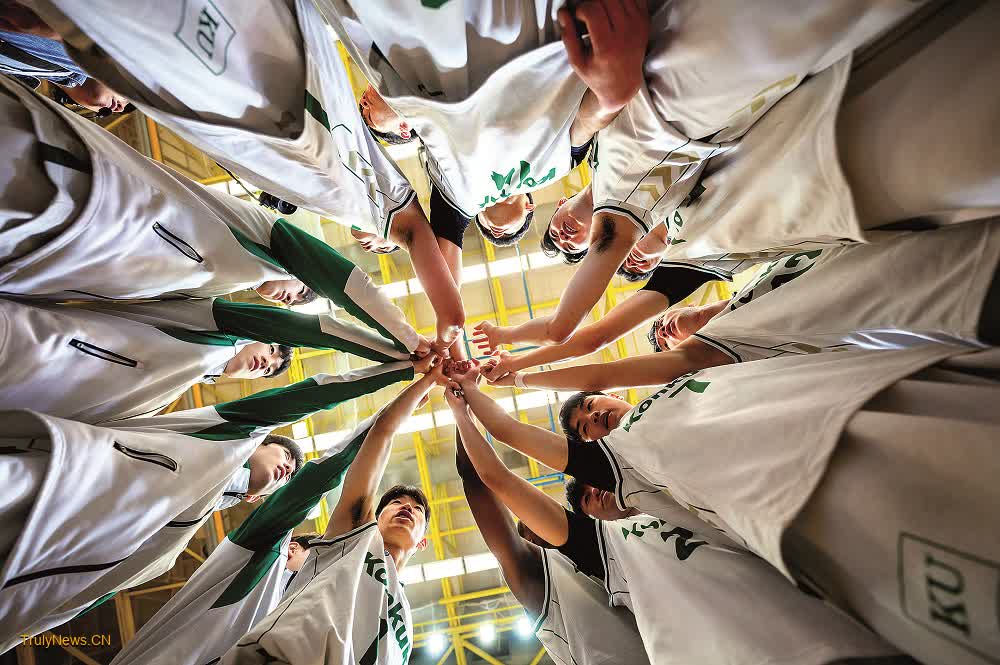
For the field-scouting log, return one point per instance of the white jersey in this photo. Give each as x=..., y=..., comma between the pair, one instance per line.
x=317, y=154
x=927, y=286
x=245, y=576
x=782, y=417
x=697, y=602
x=448, y=49
x=507, y=135
x=345, y=605
x=577, y=626
x=716, y=67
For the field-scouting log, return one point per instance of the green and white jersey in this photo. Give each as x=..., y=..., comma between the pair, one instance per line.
x=713, y=72
x=111, y=363
x=780, y=417
x=345, y=605
x=150, y=483
x=146, y=232
x=912, y=289
x=488, y=90
x=695, y=601
x=244, y=577
x=577, y=626
x=312, y=149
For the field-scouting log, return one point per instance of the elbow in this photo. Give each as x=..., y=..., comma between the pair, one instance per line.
x=558, y=332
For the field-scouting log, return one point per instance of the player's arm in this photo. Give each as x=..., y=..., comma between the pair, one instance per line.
x=333, y=276
x=357, y=499
x=537, y=510
x=645, y=370
x=639, y=308
x=520, y=561
x=412, y=232
x=547, y=447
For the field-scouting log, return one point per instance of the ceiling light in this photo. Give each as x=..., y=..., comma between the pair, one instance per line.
x=475, y=563
x=487, y=632
x=523, y=627
x=436, y=570
x=436, y=644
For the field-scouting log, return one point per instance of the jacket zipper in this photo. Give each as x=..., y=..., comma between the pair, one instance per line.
x=146, y=456
x=181, y=246
x=103, y=354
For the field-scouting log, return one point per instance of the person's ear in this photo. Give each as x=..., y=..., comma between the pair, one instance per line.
x=422, y=545
x=529, y=206
x=252, y=498
x=616, y=395
x=561, y=201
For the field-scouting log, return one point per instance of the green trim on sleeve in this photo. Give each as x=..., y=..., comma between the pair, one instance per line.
x=205, y=337
x=288, y=404
x=249, y=576
x=276, y=325
x=255, y=248
x=291, y=503
x=321, y=268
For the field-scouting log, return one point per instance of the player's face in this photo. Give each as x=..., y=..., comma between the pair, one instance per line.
x=402, y=523
x=271, y=466
x=282, y=291
x=373, y=243
x=296, y=557
x=254, y=361
x=379, y=116
x=569, y=227
x=600, y=504
x=598, y=416
x=506, y=217
x=679, y=323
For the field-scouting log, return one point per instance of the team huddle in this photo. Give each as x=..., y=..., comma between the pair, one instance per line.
x=814, y=479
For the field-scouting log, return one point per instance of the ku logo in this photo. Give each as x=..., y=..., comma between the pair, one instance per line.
x=206, y=33
x=951, y=593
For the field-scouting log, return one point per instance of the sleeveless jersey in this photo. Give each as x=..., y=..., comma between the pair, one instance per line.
x=345, y=605
x=697, y=602
x=577, y=626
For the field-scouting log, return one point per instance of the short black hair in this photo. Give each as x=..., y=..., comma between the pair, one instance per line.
x=651, y=335
x=575, y=401
x=633, y=276
x=308, y=295
x=574, y=495
x=551, y=249
x=411, y=491
x=288, y=444
x=285, y=352
x=512, y=239
x=305, y=540
x=385, y=137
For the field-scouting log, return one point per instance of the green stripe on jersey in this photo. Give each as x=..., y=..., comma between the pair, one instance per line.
x=315, y=109
x=208, y=338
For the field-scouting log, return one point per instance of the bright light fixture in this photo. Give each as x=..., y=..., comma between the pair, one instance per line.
x=436, y=644
x=477, y=562
x=412, y=574
x=523, y=627
x=435, y=570
x=487, y=632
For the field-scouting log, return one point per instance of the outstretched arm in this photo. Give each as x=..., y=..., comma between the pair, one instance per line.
x=357, y=500
x=520, y=561
x=412, y=232
x=537, y=510
x=547, y=447
x=636, y=310
x=638, y=371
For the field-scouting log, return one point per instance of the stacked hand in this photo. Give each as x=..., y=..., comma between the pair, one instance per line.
x=499, y=370
x=611, y=65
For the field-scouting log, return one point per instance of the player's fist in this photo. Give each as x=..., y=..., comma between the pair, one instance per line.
x=424, y=365
x=610, y=63
x=455, y=398
x=423, y=347
x=463, y=372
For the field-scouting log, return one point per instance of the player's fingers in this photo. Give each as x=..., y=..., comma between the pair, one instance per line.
x=592, y=15
x=575, y=51
x=617, y=16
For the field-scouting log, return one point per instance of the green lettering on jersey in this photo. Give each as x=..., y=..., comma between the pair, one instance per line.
x=684, y=546
x=375, y=567
x=686, y=382
x=507, y=185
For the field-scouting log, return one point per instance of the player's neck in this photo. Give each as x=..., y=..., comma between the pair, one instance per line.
x=399, y=555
